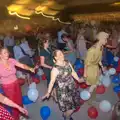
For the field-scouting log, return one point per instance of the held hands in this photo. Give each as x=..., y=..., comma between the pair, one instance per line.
x=32, y=70
x=22, y=110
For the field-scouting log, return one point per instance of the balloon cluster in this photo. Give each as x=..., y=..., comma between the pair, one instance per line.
x=104, y=106
x=116, y=80
x=33, y=92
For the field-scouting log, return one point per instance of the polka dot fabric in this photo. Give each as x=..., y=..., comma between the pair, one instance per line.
x=4, y=114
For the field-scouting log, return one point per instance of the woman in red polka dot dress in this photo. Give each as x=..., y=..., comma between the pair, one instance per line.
x=4, y=114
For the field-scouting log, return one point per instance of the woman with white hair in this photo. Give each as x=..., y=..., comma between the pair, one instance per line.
x=93, y=61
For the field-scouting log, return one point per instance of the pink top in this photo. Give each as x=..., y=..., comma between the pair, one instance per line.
x=8, y=76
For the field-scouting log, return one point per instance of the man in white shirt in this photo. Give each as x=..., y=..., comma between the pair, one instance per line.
x=61, y=44
x=9, y=43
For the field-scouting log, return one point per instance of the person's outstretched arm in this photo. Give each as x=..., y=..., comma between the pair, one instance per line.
x=10, y=103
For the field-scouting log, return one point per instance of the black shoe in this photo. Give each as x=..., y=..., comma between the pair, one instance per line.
x=71, y=118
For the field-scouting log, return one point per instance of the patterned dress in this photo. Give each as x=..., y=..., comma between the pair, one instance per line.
x=68, y=95
x=4, y=114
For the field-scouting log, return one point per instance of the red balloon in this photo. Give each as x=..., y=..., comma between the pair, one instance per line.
x=43, y=77
x=118, y=94
x=92, y=113
x=82, y=101
x=100, y=89
x=21, y=81
x=37, y=81
x=77, y=109
x=28, y=28
x=83, y=85
x=81, y=71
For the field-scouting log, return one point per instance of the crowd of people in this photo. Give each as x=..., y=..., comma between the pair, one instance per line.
x=57, y=55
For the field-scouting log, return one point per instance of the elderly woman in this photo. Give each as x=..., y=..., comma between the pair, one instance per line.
x=68, y=95
x=8, y=79
x=93, y=61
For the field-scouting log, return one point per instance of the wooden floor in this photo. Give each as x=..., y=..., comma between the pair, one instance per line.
x=34, y=109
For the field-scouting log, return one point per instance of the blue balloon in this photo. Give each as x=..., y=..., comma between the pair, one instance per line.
x=45, y=112
x=78, y=64
x=26, y=100
x=109, y=57
x=116, y=79
x=116, y=89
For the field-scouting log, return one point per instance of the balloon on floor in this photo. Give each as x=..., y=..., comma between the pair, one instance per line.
x=33, y=94
x=26, y=101
x=106, y=81
x=43, y=77
x=85, y=95
x=100, y=89
x=45, y=112
x=92, y=112
x=105, y=106
x=116, y=79
x=116, y=89
x=78, y=64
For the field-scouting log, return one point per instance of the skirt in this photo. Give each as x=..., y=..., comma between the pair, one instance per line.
x=13, y=92
x=4, y=114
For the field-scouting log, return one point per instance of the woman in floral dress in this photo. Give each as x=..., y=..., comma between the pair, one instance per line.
x=68, y=95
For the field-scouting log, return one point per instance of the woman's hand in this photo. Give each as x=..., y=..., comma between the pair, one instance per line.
x=46, y=96
x=81, y=80
x=32, y=70
x=22, y=110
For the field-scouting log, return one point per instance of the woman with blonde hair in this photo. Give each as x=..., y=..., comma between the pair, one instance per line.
x=93, y=61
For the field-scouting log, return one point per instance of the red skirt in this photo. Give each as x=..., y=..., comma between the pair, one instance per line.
x=4, y=114
x=13, y=92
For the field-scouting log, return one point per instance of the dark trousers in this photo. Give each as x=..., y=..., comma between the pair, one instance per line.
x=61, y=46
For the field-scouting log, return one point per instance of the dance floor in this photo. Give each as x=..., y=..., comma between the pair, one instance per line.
x=34, y=109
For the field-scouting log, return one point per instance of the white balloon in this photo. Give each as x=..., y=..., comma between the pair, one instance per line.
x=40, y=72
x=112, y=71
x=106, y=81
x=101, y=78
x=105, y=106
x=32, y=85
x=107, y=73
x=32, y=94
x=116, y=59
x=85, y=95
